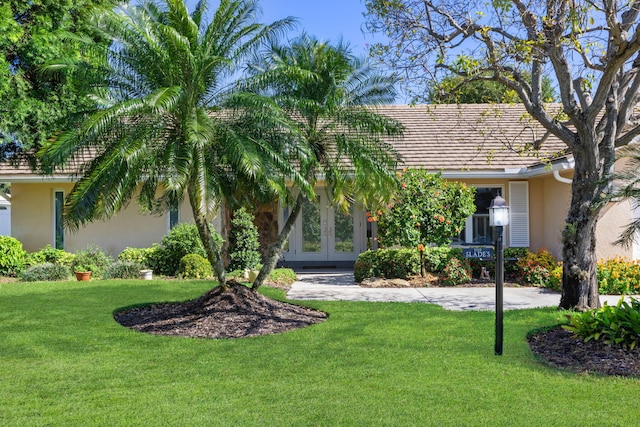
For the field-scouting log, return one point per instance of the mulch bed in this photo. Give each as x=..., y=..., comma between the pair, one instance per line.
x=563, y=350
x=234, y=313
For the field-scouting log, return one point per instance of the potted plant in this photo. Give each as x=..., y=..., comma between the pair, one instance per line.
x=83, y=272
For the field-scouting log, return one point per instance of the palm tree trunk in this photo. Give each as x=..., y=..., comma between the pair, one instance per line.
x=275, y=249
x=213, y=253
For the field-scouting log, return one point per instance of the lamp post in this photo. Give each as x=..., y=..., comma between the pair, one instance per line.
x=498, y=218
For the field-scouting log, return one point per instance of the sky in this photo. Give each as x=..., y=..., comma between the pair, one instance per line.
x=324, y=19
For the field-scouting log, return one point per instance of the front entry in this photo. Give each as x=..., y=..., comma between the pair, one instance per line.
x=324, y=234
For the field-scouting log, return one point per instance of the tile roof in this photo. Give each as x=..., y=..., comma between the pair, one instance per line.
x=471, y=137
x=445, y=137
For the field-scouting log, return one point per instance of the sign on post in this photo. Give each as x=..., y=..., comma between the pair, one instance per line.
x=486, y=253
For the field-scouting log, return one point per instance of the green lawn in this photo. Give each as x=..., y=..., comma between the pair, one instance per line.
x=65, y=361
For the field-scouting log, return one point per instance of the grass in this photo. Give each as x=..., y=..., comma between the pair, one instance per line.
x=65, y=361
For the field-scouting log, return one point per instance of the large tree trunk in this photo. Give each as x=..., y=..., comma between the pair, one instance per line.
x=275, y=249
x=213, y=253
x=579, y=278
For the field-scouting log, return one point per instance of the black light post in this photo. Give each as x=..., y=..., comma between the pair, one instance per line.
x=498, y=218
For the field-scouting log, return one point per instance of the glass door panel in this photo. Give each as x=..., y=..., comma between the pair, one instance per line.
x=311, y=227
x=344, y=232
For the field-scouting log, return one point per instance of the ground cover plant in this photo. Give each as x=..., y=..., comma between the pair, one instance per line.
x=65, y=361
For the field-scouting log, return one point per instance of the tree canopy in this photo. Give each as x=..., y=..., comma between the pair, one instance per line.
x=170, y=123
x=34, y=106
x=589, y=47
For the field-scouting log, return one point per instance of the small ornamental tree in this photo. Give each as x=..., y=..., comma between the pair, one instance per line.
x=427, y=209
x=243, y=242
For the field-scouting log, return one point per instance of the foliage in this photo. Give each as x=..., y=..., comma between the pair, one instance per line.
x=194, y=266
x=183, y=239
x=598, y=86
x=243, y=242
x=51, y=255
x=124, y=270
x=535, y=267
x=34, y=106
x=282, y=276
x=142, y=256
x=555, y=279
x=330, y=96
x=92, y=259
x=12, y=256
x=427, y=209
x=45, y=271
x=456, y=272
x=512, y=256
x=436, y=257
x=154, y=129
x=619, y=276
x=387, y=263
x=615, y=325
x=454, y=89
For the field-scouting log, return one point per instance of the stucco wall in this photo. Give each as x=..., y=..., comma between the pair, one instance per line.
x=33, y=223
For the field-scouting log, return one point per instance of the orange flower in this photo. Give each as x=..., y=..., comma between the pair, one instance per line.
x=417, y=224
x=404, y=185
x=370, y=219
x=368, y=214
x=441, y=219
x=390, y=205
x=421, y=247
x=379, y=212
x=399, y=174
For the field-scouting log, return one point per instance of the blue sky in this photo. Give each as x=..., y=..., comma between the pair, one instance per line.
x=324, y=19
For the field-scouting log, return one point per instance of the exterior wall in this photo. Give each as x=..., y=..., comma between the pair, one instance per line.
x=32, y=222
x=613, y=220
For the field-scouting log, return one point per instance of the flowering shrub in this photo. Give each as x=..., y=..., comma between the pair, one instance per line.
x=618, y=276
x=456, y=272
x=427, y=209
x=555, y=278
x=535, y=268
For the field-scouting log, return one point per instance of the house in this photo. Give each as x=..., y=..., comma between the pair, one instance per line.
x=483, y=145
x=5, y=215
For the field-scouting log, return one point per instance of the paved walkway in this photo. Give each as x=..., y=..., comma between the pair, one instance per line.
x=339, y=285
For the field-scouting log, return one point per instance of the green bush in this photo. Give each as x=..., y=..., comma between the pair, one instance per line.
x=436, y=257
x=45, y=271
x=183, y=239
x=282, y=276
x=124, y=270
x=138, y=255
x=512, y=256
x=52, y=255
x=12, y=256
x=617, y=325
x=194, y=266
x=243, y=242
x=456, y=272
x=92, y=259
x=388, y=263
x=535, y=268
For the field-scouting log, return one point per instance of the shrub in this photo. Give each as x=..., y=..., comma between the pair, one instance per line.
x=618, y=276
x=124, y=270
x=12, y=256
x=615, y=325
x=555, y=278
x=52, y=255
x=388, y=263
x=183, y=239
x=194, y=266
x=282, y=276
x=243, y=242
x=139, y=255
x=436, y=257
x=512, y=256
x=94, y=259
x=45, y=271
x=456, y=272
x=534, y=268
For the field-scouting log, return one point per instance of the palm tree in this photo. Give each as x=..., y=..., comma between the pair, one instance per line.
x=330, y=96
x=171, y=123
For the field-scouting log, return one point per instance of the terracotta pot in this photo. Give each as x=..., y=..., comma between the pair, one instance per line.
x=83, y=276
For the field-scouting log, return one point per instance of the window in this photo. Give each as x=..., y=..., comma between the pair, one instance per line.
x=174, y=217
x=58, y=206
x=477, y=230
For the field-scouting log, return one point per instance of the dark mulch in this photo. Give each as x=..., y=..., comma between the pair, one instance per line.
x=562, y=349
x=234, y=313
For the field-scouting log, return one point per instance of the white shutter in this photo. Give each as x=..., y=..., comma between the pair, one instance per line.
x=519, y=210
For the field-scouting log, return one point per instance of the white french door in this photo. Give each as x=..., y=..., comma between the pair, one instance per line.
x=324, y=233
